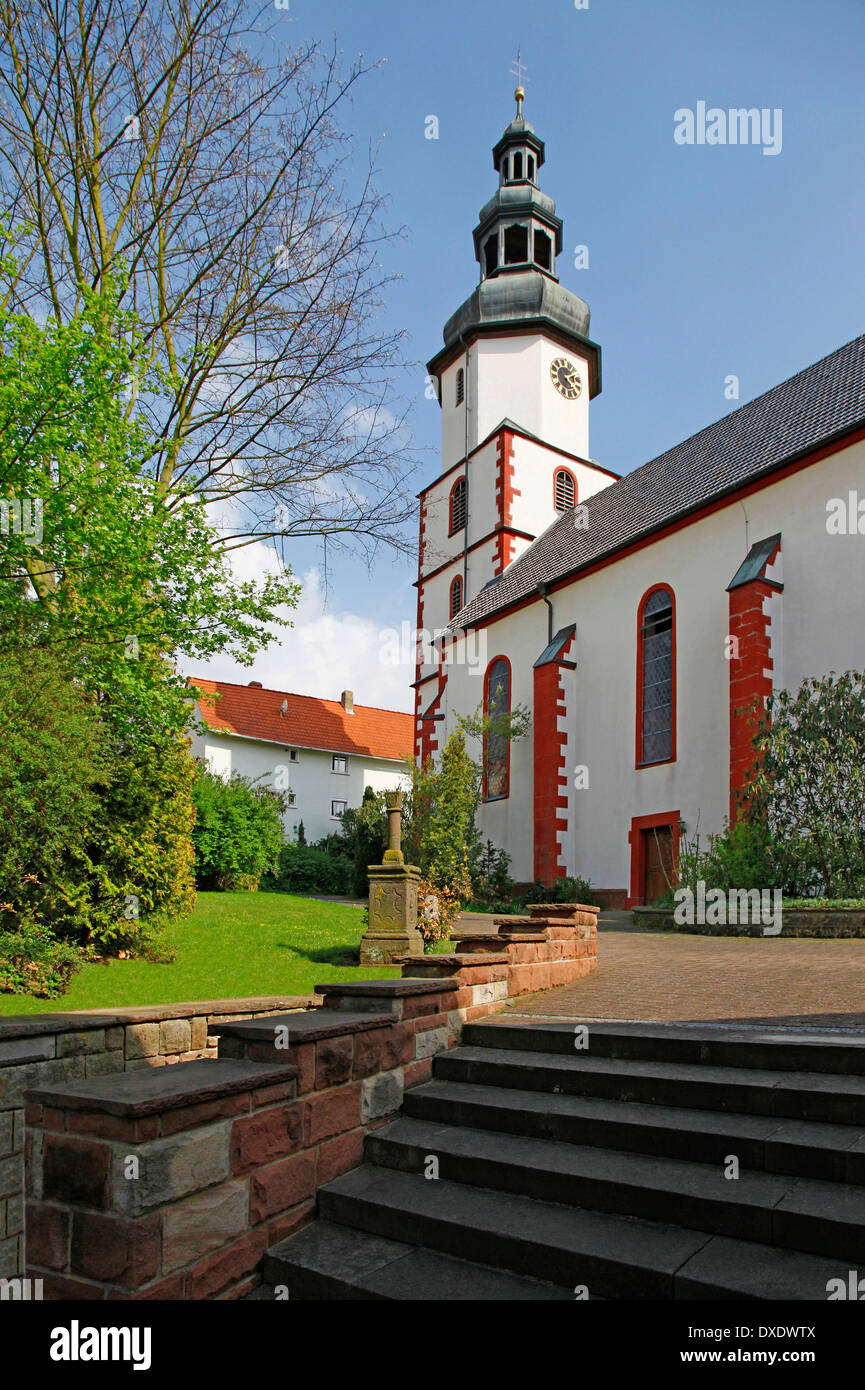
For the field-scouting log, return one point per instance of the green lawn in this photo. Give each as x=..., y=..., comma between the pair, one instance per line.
x=233, y=945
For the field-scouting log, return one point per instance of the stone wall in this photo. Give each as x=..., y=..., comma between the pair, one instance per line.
x=174, y=1186
x=173, y=1182
x=38, y=1049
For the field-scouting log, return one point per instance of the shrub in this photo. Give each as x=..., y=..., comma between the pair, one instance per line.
x=33, y=961
x=490, y=875
x=311, y=870
x=364, y=837
x=741, y=856
x=238, y=831
x=439, y=828
x=809, y=787
x=438, y=908
x=54, y=762
x=563, y=890
x=94, y=842
x=136, y=869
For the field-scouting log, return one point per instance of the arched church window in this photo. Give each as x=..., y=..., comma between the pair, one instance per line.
x=458, y=505
x=456, y=595
x=505, y=168
x=656, y=678
x=543, y=250
x=497, y=706
x=531, y=168
x=565, y=490
x=491, y=254
x=516, y=245
x=461, y=386
x=518, y=167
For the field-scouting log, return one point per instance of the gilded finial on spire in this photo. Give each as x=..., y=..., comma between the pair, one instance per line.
x=519, y=73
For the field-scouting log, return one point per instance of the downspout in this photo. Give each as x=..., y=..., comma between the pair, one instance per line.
x=466, y=476
x=543, y=590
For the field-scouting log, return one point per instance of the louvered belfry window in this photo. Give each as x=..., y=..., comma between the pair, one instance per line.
x=456, y=596
x=461, y=386
x=458, y=505
x=565, y=491
x=656, y=643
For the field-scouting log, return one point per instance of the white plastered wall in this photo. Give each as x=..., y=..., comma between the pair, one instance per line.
x=823, y=630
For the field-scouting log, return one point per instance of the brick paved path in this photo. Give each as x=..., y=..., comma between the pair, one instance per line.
x=799, y=981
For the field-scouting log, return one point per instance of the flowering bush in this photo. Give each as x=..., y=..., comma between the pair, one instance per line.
x=33, y=961
x=438, y=908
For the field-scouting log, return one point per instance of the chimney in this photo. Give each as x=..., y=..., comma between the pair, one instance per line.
x=347, y=700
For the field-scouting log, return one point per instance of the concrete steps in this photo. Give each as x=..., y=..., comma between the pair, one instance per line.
x=327, y=1261
x=603, y=1170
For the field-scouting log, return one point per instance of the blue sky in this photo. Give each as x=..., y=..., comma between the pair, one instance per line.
x=705, y=261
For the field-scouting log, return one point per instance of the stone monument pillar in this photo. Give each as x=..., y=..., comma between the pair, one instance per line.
x=393, y=929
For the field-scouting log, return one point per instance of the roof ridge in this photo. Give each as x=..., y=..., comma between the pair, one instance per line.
x=815, y=406
x=294, y=694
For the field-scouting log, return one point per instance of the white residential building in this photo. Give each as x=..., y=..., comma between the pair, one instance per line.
x=322, y=753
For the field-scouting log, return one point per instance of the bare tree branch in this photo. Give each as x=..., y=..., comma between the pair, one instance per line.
x=186, y=148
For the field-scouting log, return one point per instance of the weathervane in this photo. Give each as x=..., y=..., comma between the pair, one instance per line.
x=519, y=73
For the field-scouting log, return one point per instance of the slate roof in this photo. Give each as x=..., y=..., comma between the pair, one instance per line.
x=824, y=401
x=309, y=723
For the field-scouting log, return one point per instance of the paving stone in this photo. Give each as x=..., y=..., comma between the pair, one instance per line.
x=674, y=976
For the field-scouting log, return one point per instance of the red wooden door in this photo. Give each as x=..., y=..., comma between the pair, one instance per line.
x=658, y=859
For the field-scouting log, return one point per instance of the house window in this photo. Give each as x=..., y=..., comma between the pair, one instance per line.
x=497, y=705
x=565, y=490
x=656, y=678
x=516, y=245
x=456, y=595
x=338, y=809
x=461, y=386
x=339, y=763
x=292, y=798
x=458, y=505
x=292, y=755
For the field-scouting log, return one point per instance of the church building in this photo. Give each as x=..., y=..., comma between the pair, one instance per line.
x=639, y=617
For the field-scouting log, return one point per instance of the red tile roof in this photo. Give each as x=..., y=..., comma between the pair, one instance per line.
x=309, y=722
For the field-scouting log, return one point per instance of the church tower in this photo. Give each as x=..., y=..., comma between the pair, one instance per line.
x=513, y=380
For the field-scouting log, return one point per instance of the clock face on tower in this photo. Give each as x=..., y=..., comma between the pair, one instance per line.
x=566, y=378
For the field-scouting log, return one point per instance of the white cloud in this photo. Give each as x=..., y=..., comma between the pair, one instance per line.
x=324, y=652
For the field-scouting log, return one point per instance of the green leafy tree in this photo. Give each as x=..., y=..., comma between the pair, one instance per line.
x=102, y=567
x=442, y=809
x=55, y=758
x=238, y=832
x=364, y=830
x=809, y=785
